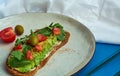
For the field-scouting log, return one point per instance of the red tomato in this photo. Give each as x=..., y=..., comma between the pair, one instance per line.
x=38, y=47
x=8, y=35
x=56, y=31
x=41, y=37
x=29, y=55
x=0, y=34
x=28, y=41
x=18, y=47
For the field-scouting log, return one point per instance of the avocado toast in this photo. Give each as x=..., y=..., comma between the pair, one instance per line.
x=32, y=52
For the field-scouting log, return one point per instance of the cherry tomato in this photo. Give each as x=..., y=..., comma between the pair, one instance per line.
x=56, y=31
x=38, y=47
x=4, y=30
x=0, y=34
x=18, y=47
x=33, y=40
x=41, y=37
x=28, y=41
x=7, y=35
x=29, y=55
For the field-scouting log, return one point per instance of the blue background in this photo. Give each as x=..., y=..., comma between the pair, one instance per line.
x=105, y=62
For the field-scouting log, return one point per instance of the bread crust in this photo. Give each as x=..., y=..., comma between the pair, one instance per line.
x=14, y=72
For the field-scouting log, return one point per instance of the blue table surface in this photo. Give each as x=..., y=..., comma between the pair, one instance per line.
x=105, y=62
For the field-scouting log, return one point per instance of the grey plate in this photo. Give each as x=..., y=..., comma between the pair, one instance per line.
x=68, y=59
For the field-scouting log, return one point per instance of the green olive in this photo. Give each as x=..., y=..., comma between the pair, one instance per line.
x=33, y=40
x=19, y=29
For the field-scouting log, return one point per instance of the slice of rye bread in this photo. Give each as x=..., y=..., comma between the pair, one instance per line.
x=14, y=72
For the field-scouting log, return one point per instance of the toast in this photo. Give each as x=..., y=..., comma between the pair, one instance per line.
x=42, y=63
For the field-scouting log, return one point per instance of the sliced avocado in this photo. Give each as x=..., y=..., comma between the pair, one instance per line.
x=39, y=56
x=26, y=68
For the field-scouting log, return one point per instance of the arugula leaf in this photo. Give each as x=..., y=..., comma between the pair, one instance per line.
x=45, y=31
x=18, y=41
x=21, y=40
x=32, y=33
x=26, y=48
x=17, y=54
x=17, y=63
x=51, y=24
x=58, y=26
x=61, y=37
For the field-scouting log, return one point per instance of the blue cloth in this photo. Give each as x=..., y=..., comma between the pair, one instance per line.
x=105, y=62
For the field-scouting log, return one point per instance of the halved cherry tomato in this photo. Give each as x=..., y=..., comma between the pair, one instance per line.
x=41, y=37
x=8, y=35
x=18, y=47
x=0, y=34
x=38, y=47
x=28, y=41
x=29, y=55
x=56, y=31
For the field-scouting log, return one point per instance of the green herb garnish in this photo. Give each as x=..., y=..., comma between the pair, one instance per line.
x=17, y=54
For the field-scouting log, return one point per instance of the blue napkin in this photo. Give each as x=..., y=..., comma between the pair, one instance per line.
x=105, y=62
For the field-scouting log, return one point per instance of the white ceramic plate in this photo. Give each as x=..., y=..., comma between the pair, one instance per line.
x=67, y=60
